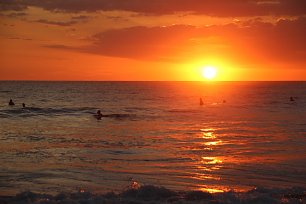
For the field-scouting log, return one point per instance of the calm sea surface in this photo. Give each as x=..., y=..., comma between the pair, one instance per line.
x=155, y=133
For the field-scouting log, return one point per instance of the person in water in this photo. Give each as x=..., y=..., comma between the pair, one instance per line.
x=201, y=102
x=23, y=105
x=292, y=99
x=99, y=115
x=11, y=103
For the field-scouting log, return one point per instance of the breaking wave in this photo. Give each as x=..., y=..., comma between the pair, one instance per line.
x=153, y=194
x=35, y=111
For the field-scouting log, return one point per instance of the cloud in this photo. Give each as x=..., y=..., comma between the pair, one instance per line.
x=56, y=23
x=18, y=38
x=225, y=8
x=14, y=15
x=249, y=41
x=116, y=18
x=8, y=25
x=81, y=17
x=283, y=41
x=141, y=42
x=12, y=5
x=74, y=20
x=59, y=47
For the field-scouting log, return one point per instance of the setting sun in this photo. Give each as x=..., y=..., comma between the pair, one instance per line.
x=209, y=72
x=164, y=97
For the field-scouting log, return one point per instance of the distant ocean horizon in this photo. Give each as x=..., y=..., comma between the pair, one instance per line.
x=202, y=81
x=245, y=135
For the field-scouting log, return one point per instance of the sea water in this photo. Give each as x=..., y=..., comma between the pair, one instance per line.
x=245, y=135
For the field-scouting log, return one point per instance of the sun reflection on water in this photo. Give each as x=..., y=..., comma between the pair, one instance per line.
x=212, y=190
x=213, y=143
x=211, y=160
x=207, y=177
x=208, y=133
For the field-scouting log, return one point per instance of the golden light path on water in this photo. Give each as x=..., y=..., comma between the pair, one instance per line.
x=212, y=161
x=209, y=164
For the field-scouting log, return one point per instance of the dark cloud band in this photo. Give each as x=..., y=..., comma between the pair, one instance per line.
x=249, y=41
x=224, y=8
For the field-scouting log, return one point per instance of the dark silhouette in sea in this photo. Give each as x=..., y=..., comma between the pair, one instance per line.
x=23, y=105
x=292, y=99
x=11, y=103
x=99, y=115
x=201, y=102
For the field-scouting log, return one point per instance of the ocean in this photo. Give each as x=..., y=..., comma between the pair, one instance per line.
x=245, y=136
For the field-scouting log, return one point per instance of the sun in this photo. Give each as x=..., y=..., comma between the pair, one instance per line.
x=209, y=72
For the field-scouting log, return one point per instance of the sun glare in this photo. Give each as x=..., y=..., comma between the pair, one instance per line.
x=209, y=72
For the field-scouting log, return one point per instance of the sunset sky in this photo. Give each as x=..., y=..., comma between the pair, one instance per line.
x=152, y=39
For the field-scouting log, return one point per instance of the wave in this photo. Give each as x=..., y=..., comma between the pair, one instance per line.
x=183, y=111
x=6, y=91
x=154, y=194
x=119, y=116
x=47, y=110
x=35, y=111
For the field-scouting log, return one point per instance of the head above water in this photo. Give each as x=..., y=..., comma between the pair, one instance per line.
x=11, y=103
x=201, y=102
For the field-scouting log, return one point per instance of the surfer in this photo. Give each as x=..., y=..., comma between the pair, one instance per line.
x=11, y=103
x=201, y=102
x=98, y=115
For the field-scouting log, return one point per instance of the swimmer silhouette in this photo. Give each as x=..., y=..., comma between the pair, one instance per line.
x=292, y=99
x=98, y=115
x=201, y=102
x=23, y=105
x=11, y=103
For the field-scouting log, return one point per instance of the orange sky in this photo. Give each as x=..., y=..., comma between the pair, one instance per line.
x=152, y=40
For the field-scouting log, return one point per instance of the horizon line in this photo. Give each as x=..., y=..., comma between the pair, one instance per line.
x=210, y=81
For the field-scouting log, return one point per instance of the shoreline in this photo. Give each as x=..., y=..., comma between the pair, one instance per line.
x=155, y=194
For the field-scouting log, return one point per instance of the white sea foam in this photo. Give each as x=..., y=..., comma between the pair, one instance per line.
x=153, y=194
